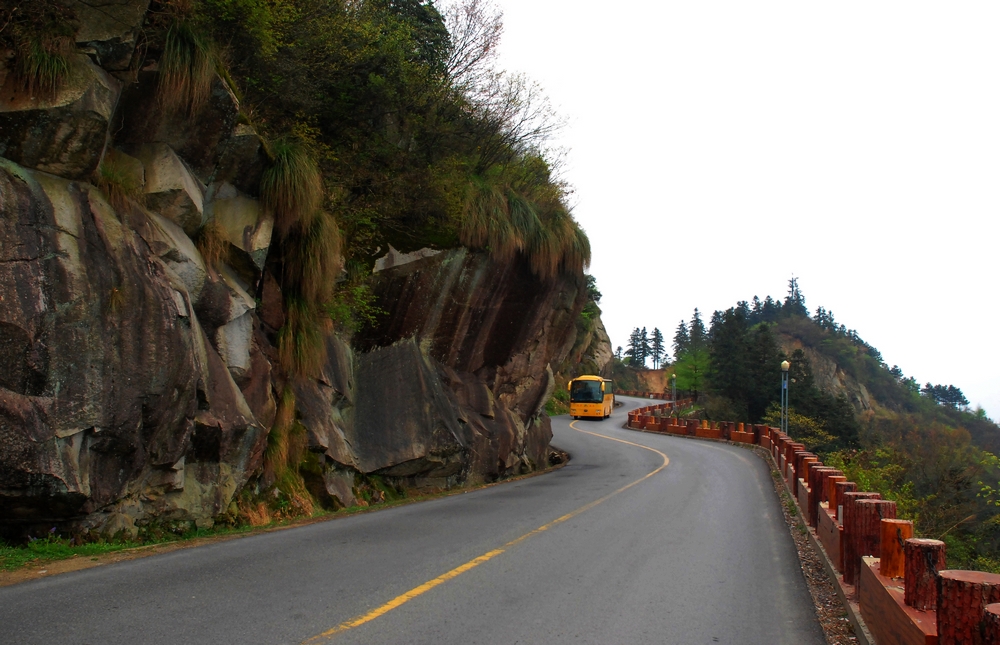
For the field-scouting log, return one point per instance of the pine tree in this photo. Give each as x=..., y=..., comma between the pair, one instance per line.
x=656, y=347
x=795, y=302
x=682, y=338
x=646, y=349
x=770, y=310
x=618, y=353
x=633, y=350
x=692, y=369
x=697, y=331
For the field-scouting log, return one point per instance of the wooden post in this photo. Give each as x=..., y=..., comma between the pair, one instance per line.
x=841, y=488
x=992, y=631
x=802, y=463
x=923, y=559
x=824, y=484
x=962, y=600
x=870, y=513
x=816, y=491
x=852, y=559
x=894, y=535
x=791, y=449
x=831, y=492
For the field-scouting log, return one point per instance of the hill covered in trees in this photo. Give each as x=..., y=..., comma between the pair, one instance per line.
x=918, y=444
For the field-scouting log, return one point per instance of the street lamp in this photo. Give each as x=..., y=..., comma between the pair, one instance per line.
x=784, y=396
x=673, y=380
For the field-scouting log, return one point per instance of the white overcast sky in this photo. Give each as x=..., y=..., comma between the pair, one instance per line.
x=717, y=148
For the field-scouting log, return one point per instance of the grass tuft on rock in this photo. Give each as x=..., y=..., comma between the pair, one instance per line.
x=121, y=187
x=43, y=63
x=301, y=343
x=292, y=186
x=313, y=259
x=506, y=221
x=187, y=67
x=212, y=244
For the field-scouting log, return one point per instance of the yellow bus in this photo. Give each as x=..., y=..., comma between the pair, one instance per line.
x=591, y=396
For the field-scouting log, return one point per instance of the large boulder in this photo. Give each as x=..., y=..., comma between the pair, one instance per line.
x=63, y=132
x=114, y=406
x=170, y=188
x=108, y=29
x=405, y=423
x=245, y=227
x=180, y=256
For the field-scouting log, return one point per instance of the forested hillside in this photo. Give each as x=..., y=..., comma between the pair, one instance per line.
x=919, y=445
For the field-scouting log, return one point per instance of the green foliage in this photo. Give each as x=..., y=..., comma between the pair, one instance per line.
x=312, y=260
x=809, y=431
x=259, y=24
x=187, y=66
x=638, y=348
x=881, y=470
x=692, y=368
x=624, y=376
x=353, y=307
x=55, y=547
x=558, y=403
x=409, y=147
x=745, y=364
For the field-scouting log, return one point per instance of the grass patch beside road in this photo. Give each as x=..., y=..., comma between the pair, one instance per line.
x=55, y=554
x=54, y=548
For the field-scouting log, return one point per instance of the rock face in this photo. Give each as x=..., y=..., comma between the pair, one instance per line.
x=452, y=384
x=138, y=381
x=829, y=376
x=112, y=392
x=591, y=353
x=65, y=133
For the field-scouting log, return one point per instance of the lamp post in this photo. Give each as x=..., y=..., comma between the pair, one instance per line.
x=784, y=396
x=673, y=381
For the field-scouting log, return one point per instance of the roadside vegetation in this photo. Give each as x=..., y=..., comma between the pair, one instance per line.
x=281, y=512
x=921, y=446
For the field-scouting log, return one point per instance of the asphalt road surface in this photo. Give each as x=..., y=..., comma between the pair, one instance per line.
x=647, y=539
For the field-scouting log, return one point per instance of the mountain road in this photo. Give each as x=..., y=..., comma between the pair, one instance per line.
x=640, y=538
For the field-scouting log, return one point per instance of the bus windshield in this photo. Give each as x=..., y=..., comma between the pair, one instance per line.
x=586, y=392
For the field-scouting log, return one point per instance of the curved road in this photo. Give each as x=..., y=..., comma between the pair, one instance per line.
x=648, y=539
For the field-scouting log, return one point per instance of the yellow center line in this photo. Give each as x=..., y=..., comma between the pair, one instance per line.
x=489, y=555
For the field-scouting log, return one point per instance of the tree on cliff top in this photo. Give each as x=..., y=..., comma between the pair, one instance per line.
x=656, y=348
x=638, y=348
x=795, y=302
x=682, y=338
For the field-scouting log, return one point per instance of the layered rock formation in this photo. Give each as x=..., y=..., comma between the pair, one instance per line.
x=139, y=381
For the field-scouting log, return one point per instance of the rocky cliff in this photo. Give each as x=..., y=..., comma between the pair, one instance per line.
x=141, y=378
x=830, y=377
